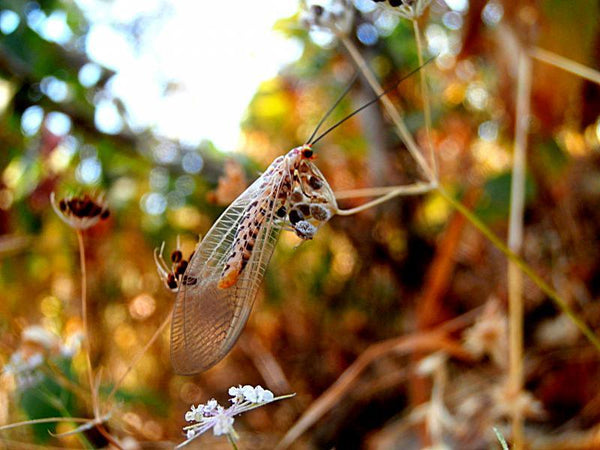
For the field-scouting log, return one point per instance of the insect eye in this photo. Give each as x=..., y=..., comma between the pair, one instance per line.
x=307, y=153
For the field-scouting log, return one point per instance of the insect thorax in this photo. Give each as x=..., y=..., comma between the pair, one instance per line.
x=292, y=191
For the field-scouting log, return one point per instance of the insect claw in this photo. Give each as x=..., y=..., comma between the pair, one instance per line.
x=161, y=265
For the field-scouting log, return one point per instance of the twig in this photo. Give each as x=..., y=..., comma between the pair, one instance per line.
x=45, y=420
x=86, y=334
x=515, y=242
x=525, y=268
x=138, y=356
x=412, y=189
x=566, y=64
x=389, y=107
x=425, y=95
x=429, y=341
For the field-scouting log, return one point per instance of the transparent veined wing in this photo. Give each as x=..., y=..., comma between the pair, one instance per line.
x=207, y=320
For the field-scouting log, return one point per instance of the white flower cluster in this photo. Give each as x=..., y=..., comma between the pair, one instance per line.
x=409, y=9
x=23, y=368
x=38, y=344
x=337, y=16
x=220, y=419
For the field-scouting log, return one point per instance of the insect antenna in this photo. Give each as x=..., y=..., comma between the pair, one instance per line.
x=370, y=102
x=330, y=110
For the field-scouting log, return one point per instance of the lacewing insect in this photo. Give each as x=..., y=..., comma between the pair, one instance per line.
x=217, y=287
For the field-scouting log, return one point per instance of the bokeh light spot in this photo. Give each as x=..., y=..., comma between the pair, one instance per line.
x=458, y=5
x=159, y=179
x=9, y=21
x=89, y=170
x=367, y=33
x=142, y=307
x=89, y=74
x=185, y=184
x=192, y=162
x=58, y=123
x=55, y=28
x=488, y=131
x=107, y=118
x=452, y=20
x=154, y=203
x=55, y=89
x=477, y=97
x=31, y=120
x=492, y=13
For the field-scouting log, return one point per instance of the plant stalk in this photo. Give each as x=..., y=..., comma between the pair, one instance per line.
x=84, y=319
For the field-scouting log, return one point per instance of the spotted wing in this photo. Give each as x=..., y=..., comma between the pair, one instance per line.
x=208, y=320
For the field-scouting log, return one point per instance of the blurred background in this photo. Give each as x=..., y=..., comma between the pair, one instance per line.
x=171, y=108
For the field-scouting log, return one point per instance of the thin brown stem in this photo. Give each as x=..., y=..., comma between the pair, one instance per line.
x=425, y=96
x=566, y=64
x=138, y=356
x=523, y=266
x=45, y=420
x=108, y=437
x=412, y=189
x=515, y=242
x=84, y=319
x=395, y=116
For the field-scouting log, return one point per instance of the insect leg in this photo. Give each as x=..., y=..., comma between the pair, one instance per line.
x=384, y=194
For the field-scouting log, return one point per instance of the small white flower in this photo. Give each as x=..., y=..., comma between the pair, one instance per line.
x=212, y=408
x=337, y=16
x=263, y=395
x=223, y=424
x=237, y=394
x=194, y=414
x=249, y=394
x=256, y=394
x=71, y=345
x=39, y=335
x=409, y=9
x=212, y=415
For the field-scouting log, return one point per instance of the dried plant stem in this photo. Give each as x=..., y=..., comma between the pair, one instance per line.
x=138, y=356
x=84, y=319
x=500, y=438
x=45, y=420
x=472, y=218
x=108, y=437
x=564, y=63
x=425, y=95
x=395, y=191
x=515, y=242
x=232, y=441
x=395, y=116
x=426, y=341
x=523, y=266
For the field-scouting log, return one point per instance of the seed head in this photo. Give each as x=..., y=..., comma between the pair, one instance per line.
x=409, y=9
x=80, y=212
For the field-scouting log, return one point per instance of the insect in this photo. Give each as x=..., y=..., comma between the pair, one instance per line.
x=217, y=290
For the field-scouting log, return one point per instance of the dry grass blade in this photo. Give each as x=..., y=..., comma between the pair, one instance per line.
x=515, y=242
x=433, y=340
x=565, y=64
x=84, y=427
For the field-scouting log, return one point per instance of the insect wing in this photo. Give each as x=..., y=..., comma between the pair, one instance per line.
x=208, y=320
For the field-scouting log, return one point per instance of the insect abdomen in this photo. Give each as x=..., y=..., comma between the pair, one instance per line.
x=243, y=243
